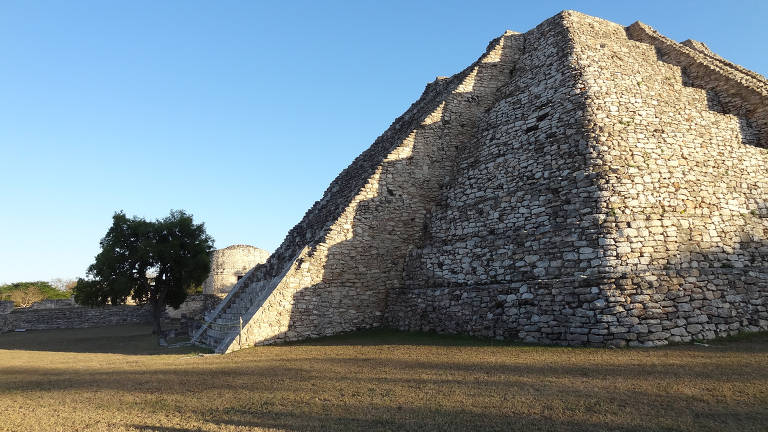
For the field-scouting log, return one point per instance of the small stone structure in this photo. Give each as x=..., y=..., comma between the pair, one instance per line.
x=229, y=265
x=194, y=307
x=190, y=315
x=581, y=183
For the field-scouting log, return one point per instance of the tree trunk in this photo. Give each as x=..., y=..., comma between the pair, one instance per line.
x=157, y=313
x=158, y=307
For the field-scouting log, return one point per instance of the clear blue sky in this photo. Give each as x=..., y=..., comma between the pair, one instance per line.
x=238, y=112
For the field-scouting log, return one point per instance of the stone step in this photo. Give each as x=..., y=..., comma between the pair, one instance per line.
x=226, y=322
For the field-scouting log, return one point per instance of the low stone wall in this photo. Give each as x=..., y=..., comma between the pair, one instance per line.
x=6, y=306
x=53, y=304
x=194, y=307
x=639, y=310
x=73, y=317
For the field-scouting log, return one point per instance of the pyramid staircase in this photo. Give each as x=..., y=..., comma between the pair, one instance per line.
x=223, y=324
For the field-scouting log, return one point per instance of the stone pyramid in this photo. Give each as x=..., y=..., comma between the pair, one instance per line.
x=580, y=183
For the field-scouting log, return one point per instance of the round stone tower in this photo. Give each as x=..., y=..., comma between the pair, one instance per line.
x=230, y=264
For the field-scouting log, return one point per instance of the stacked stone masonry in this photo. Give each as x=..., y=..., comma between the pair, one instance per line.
x=581, y=183
x=195, y=306
x=229, y=265
x=73, y=317
x=6, y=306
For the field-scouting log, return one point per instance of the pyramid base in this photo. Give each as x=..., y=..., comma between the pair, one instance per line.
x=648, y=309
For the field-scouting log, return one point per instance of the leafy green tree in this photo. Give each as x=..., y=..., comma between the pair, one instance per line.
x=155, y=263
x=26, y=293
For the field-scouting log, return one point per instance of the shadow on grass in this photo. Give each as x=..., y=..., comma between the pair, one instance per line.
x=126, y=339
x=156, y=428
x=138, y=340
x=743, y=342
x=385, y=336
x=400, y=419
x=387, y=418
x=572, y=409
x=343, y=386
x=268, y=373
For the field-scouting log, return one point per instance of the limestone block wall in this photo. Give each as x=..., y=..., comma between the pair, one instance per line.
x=342, y=280
x=195, y=307
x=6, y=306
x=684, y=180
x=73, y=317
x=521, y=210
x=230, y=264
x=674, y=226
x=53, y=304
x=523, y=202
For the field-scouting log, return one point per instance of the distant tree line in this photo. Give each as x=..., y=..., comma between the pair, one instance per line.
x=23, y=294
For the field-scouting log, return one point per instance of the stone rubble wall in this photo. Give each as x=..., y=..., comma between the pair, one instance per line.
x=704, y=49
x=582, y=183
x=6, y=306
x=700, y=47
x=305, y=237
x=341, y=282
x=230, y=263
x=194, y=307
x=53, y=304
x=73, y=317
x=64, y=313
x=523, y=203
x=317, y=221
x=684, y=177
x=678, y=215
x=520, y=220
x=614, y=310
x=715, y=70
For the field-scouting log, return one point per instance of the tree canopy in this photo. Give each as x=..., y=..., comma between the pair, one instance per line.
x=154, y=262
x=26, y=293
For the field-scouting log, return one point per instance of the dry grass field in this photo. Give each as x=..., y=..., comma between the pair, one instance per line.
x=116, y=379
